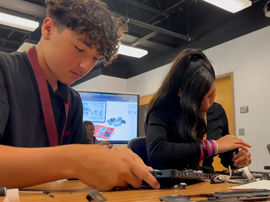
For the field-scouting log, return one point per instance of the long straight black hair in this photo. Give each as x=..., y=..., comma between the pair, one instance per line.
x=194, y=74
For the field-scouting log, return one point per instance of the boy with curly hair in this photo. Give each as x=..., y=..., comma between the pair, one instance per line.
x=39, y=111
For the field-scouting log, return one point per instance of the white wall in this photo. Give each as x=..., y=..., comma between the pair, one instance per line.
x=104, y=84
x=90, y=85
x=249, y=58
x=149, y=82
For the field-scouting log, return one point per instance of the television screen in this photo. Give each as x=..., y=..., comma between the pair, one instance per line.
x=115, y=115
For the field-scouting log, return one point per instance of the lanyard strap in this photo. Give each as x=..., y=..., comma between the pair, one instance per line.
x=46, y=100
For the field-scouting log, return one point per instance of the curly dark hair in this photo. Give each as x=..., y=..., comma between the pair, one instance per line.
x=93, y=18
x=87, y=123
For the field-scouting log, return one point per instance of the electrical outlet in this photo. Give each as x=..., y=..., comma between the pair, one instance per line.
x=241, y=132
x=244, y=109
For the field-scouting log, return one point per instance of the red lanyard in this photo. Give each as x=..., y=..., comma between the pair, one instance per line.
x=46, y=100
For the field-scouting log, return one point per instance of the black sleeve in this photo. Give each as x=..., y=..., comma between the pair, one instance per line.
x=163, y=152
x=81, y=136
x=4, y=104
x=226, y=158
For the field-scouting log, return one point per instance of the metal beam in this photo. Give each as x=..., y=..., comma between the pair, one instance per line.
x=10, y=41
x=167, y=10
x=14, y=29
x=148, y=8
x=129, y=40
x=154, y=33
x=24, y=37
x=155, y=28
x=133, y=9
x=158, y=4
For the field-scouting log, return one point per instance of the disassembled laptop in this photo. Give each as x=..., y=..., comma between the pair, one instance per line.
x=230, y=196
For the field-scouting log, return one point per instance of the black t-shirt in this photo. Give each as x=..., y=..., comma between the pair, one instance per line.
x=21, y=117
x=168, y=150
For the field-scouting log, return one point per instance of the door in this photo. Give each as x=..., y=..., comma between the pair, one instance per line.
x=225, y=97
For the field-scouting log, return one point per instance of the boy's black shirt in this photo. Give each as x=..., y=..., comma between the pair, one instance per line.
x=21, y=117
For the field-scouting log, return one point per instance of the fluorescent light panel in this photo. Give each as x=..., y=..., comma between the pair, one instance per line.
x=25, y=46
x=131, y=51
x=231, y=5
x=18, y=22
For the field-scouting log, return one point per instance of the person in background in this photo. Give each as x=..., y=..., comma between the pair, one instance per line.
x=90, y=128
x=184, y=128
x=42, y=135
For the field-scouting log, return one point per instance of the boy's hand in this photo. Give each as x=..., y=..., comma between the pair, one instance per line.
x=117, y=168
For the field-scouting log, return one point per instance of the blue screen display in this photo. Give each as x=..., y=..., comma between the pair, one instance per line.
x=115, y=115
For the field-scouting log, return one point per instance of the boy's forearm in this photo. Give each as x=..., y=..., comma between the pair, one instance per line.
x=21, y=167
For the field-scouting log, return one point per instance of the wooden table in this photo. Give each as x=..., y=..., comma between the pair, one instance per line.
x=69, y=191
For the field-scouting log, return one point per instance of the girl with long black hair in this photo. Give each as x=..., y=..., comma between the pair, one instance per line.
x=184, y=127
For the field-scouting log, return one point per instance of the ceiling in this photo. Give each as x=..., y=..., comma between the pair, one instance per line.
x=163, y=27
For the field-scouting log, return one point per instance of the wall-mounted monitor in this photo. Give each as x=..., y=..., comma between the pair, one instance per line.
x=115, y=115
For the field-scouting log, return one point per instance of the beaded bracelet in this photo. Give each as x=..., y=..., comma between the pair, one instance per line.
x=215, y=146
x=209, y=148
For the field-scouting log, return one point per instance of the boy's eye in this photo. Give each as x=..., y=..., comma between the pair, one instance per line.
x=80, y=50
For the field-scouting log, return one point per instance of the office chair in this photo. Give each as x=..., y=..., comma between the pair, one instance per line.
x=268, y=148
x=138, y=146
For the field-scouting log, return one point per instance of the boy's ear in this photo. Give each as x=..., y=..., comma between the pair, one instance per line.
x=180, y=92
x=47, y=28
